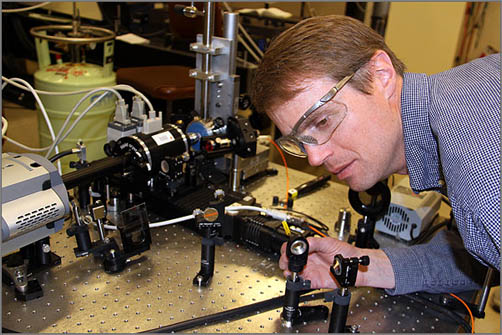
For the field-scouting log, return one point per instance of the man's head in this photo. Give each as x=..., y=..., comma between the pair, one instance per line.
x=303, y=72
x=331, y=46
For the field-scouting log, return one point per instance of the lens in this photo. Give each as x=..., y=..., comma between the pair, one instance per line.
x=291, y=146
x=318, y=127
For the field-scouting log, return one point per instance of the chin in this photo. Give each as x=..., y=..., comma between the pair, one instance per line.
x=358, y=185
x=358, y=188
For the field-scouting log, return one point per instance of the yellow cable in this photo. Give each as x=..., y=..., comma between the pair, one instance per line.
x=286, y=228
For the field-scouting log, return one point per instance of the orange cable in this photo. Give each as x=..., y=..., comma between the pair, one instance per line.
x=287, y=182
x=285, y=166
x=317, y=231
x=468, y=309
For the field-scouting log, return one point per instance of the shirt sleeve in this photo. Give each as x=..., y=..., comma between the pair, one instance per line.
x=439, y=266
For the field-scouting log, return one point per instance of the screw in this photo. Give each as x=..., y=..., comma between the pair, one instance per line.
x=46, y=248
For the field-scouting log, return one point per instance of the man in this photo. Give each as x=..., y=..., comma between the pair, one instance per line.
x=341, y=98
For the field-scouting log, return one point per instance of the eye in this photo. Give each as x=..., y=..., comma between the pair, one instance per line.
x=322, y=123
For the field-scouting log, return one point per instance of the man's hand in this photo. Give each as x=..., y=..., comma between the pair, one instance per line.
x=321, y=253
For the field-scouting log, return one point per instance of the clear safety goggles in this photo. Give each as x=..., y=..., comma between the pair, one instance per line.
x=317, y=124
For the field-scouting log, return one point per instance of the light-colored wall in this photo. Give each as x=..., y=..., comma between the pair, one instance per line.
x=319, y=8
x=89, y=10
x=424, y=35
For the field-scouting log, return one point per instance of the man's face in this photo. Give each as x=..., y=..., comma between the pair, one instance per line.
x=368, y=144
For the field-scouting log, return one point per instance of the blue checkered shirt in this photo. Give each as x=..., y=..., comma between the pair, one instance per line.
x=451, y=126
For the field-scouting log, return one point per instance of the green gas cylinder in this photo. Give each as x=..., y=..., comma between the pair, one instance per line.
x=91, y=129
x=75, y=76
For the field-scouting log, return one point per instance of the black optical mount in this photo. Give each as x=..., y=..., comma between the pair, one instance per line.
x=210, y=223
x=345, y=272
x=297, y=251
x=134, y=233
x=18, y=268
x=380, y=201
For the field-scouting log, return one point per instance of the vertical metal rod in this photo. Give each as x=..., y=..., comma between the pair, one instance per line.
x=379, y=17
x=235, y=173
x=75, y=48
x=101, y=229
x=485, y=291
x=206, y=64
x=107, y=186
x=290, y=308
x=74, y=19
x=76, y=213
x=116, y=22
x=231, y=29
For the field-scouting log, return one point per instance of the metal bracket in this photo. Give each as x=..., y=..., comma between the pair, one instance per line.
x=213, y=51
x=212, y=77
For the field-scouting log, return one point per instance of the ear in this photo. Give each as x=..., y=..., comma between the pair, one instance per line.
x=384, y=74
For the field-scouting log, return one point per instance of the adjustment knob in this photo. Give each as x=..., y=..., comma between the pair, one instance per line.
x=297, y=252
x=364, y=260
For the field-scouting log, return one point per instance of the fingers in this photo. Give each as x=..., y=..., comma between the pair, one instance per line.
x=328, y=247
x=317, y=271
x=283, y=248
x=322, y=244
x=321, y=254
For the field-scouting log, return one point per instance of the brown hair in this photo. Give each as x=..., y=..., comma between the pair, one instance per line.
x=334, y=46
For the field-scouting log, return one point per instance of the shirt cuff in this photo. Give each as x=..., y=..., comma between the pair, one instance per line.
x=408, y=271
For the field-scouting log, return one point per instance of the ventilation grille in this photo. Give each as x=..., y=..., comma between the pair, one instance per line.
x=33, y=219
x=396, y=219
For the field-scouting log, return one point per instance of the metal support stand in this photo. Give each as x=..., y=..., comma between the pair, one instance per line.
x=338, y=317
x=345, y=272
x=297, y=252
x=484, y=293
x=81, y=233
x=210, y=222
x=217, y=84
x=380, y=201
x=134, y=232
x=478, y=307
x=17, y=268
x=235, y=174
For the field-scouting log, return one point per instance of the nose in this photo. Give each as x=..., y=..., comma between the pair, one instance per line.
x=317, y=154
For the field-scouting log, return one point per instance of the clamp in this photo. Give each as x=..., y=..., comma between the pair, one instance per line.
x=345, y=272
x=297, y=251
x=210, y=222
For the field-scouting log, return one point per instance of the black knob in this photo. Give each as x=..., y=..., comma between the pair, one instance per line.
x=297, y=252
x=218, y=122
x=290, y=203
x=110, y=148
x=244, y=102
x=364, y=260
